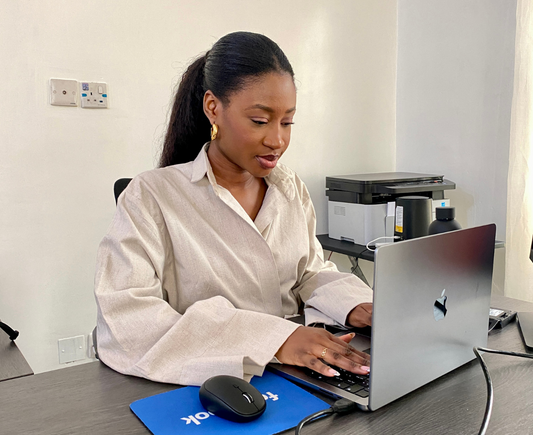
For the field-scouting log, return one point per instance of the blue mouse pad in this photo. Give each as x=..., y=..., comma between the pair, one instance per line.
x=180, y=411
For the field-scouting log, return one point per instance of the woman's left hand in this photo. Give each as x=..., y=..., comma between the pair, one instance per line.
x=360, y=316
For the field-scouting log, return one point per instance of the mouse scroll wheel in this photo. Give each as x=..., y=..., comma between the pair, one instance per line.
x=248, y=397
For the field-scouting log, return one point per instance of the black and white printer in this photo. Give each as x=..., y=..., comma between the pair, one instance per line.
x=361, y=207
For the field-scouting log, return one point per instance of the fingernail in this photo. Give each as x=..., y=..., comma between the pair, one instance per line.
x=352, y=334
x=334, y=372
x=366, y=368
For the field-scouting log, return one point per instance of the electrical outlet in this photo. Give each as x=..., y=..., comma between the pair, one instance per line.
x=93, y=95
x=63, y=92
x=71, y=349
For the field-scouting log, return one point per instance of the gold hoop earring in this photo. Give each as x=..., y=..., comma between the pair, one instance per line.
x=214, y=131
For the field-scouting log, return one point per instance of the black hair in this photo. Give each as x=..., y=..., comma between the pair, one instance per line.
x=226, y=68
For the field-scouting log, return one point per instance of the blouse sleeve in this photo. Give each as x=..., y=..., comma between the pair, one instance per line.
x=140, y=334
x=329, y=295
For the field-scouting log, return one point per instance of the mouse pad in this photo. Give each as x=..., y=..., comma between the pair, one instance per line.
x=180, y=411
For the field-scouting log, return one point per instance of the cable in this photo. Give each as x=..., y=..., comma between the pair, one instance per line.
x=312, y=417
x=490, y=393
x=341, y=406
x=356, y=269
x=379, y=238
x=358, y=256
x=490, y=390
x=492, y=324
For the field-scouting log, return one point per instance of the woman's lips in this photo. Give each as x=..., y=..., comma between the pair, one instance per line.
x=267, y=162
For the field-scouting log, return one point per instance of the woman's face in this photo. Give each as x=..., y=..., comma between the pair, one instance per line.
x=255, y=126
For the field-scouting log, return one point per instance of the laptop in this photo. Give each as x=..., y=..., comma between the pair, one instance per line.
x=431, y=307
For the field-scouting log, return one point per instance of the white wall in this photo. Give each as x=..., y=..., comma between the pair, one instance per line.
x=58, y=164
x=454, y=92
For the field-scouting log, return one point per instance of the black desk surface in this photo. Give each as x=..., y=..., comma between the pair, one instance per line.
x=346, y=248
x=93, y=399
x=354, y=249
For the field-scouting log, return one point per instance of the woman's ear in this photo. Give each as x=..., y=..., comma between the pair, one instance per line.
x=212, y=106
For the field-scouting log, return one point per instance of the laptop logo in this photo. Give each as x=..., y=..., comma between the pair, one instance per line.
x=439, y=308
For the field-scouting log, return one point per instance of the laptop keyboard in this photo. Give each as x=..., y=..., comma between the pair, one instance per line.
x=347, y=381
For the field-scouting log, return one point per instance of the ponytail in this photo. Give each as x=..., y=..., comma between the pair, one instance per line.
x=225, y=69
x=188, y=126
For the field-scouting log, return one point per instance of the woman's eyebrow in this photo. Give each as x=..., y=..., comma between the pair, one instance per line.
x=268, y=109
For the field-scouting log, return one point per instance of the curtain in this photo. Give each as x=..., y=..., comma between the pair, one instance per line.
x=519, y=232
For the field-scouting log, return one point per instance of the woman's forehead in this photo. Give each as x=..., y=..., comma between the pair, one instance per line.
x=272, y=91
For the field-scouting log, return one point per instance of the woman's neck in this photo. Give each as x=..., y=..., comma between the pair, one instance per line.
x=249, y=191
x=228, y=174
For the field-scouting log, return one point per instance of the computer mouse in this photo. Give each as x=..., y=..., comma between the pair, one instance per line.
x=232, y=398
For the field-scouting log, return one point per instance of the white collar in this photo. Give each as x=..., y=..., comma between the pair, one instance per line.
x=280, y=176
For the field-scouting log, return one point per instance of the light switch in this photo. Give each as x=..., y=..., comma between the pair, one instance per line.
x=63, y=92
x=93, y=95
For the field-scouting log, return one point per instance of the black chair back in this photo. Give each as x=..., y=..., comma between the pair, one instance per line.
x=119, y=186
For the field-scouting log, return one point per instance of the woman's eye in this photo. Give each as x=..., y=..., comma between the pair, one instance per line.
x=261, y=122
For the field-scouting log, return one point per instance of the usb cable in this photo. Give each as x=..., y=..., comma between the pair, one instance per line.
x=341, y=406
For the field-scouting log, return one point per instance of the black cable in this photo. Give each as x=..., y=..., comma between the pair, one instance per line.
x=490, y=390
x=490, y=393
x=312, y=417
x=358, y=256
x=341, y=406
x=505, y=352
x=356, y=269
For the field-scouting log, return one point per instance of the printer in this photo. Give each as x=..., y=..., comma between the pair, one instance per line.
x=361, y=207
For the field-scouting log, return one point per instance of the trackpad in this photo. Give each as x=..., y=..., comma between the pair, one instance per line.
x=360, y=342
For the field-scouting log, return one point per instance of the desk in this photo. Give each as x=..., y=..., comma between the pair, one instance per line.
x=12, y=362
x=355, y=251
x=93, y=399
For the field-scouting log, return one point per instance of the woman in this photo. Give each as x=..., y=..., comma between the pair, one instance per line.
x=207, y=254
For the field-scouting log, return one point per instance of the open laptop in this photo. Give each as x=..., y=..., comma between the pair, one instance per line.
x=431, y=307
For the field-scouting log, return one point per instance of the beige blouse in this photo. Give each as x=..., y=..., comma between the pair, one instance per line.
x=188, y=286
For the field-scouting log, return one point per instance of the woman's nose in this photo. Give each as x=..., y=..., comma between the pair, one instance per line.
x=275, y=138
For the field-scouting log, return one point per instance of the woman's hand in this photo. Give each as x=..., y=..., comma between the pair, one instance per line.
x=315, y=348
x=360, y=316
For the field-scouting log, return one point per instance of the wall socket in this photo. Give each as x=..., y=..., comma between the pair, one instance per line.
x=93, y=95
x=71, y=349
x=64, y=92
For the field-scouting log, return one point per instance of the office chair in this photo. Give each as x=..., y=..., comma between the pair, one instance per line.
x=118, y=188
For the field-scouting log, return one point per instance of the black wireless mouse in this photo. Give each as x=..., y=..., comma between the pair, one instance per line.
x=232, y=398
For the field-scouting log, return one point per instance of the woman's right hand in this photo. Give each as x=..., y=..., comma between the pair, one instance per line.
x=316, y=348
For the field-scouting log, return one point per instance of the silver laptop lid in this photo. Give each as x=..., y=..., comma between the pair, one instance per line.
x=431, y=307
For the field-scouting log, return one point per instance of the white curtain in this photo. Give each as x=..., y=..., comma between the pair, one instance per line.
x=518, y=266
